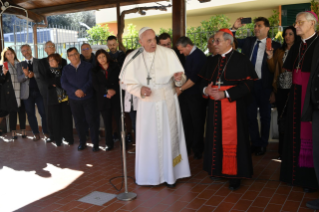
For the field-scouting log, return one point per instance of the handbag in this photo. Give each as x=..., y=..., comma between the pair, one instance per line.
x=285, y=80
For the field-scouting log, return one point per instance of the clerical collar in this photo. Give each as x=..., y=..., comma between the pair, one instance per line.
x=304, y=40
x=193, y=49
x=224, y=55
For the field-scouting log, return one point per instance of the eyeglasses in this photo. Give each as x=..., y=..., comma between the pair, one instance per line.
x=50, y=46
x=300, y=23
x=86, y=49
x=73, y=55
x=216, y=41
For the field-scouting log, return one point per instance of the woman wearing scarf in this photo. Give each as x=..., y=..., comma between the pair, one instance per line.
x=58, y=102
x=10, y=92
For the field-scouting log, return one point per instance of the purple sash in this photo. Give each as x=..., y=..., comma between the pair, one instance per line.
x=305, y=155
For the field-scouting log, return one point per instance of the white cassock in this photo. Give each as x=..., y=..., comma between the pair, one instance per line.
x=161, y=154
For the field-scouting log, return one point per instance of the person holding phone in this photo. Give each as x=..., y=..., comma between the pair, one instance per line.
x=255, y=49
x=10, y=93
x=105, y=80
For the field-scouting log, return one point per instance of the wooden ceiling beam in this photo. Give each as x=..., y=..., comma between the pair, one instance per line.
x=33, y=17
x=85, y=6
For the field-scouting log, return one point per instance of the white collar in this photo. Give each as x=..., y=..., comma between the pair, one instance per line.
x=263, y=40
x=304, y=40
x=31, y=60
x=193, y=49
x=223, y=55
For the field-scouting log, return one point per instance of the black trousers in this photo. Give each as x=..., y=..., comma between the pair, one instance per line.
x=193, y=115
x=315, y=141
x=62, y=122
x=281, y=99
x=49, y=118
x=14, y=115
x=107, y=119
x=85, y=108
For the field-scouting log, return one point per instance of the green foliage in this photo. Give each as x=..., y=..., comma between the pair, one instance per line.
x=73, y=19
x=169, y=31
x=130, y=39
x=315, y=9
x=98, y=34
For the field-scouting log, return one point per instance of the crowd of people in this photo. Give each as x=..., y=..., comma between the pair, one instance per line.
x=180, y=102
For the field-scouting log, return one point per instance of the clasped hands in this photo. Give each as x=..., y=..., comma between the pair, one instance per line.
x=178, y=76
x=110, y=93
x=145, y=91
x=79, y=93
x=214, y=92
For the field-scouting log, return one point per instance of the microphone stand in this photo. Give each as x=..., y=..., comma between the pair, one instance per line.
x=126, y=196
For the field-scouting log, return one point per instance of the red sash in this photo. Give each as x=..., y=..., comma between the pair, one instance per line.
x=229, y=133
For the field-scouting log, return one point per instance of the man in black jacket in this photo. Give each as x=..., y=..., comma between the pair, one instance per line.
x=190, y=97
x=254, y=48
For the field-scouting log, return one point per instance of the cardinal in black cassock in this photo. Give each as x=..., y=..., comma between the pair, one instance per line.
x=227, y=81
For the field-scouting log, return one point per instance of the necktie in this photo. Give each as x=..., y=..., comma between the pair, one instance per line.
x=254, y=55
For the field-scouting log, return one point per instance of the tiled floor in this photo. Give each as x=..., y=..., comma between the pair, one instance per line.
x=35, y=176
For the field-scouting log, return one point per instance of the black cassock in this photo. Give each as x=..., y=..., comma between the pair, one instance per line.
x=240, y=73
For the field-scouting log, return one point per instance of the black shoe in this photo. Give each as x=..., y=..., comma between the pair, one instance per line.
x=313, y=204
x=108, y=148
x=24, y=136
x=14, y=137
x=234, y=184
x=128, y=138
x=95, y=148
x=279, y=158
x=260, y=151
x=1, y=133
x=309, y=190
x=197, y=156
x=170, y=185
x=81, y=147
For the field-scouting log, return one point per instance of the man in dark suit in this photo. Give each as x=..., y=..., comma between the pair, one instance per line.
x=165, y=40
x=33, y=88
x=190, y=97
x=254, y=48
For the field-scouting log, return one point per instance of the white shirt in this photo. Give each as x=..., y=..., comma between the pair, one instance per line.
x=260, y=56
x=29, y=60
x=193, y=49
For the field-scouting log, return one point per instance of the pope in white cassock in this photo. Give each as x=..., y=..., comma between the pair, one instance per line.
x=161, y=155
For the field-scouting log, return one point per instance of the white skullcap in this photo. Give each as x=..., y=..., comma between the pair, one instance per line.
x=142, y=31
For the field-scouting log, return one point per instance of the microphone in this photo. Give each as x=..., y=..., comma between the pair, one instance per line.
x=138, y=53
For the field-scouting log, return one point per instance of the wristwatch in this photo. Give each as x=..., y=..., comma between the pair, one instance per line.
x=180, y=88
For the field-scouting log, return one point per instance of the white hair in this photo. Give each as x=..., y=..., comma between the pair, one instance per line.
x=309, y=17
x=227, y=36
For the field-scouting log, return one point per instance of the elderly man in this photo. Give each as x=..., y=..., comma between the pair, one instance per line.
x=161, y=155
x=300, y=148
x=227, y=80
x=33, y=90
x=86, y=54
x=77, y=81
x=190, y=97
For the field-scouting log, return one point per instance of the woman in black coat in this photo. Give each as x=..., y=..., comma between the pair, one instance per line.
x=105, y=78
x=58, y=102
x=3, y=113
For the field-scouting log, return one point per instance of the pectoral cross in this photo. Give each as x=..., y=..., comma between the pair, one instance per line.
x=148, y=79
x=298, y=67
x=219, y=83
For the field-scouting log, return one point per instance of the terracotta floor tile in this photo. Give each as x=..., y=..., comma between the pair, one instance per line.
x=232, y=198
x=113, y=207
x=199, y=188
x=84, y=205
x=223, y=192
x=242, y=205
x=273, y=208
x=94, y=208
x=76, y=210
x=284, y=190
x=296, y=196
x=272, y=184
x=250, y=195
x=177, y=206
x=223, y=207
x=206, y=208
x=291, y=206
x=160, y=207
x=206, y=194
x=278, y=199
x=50, y=207
x=215, y=200
x=196, y=203
x=171, y=199
x=261, y=202
x=256, y=186
x=188, y=210
x=255, y=209
x=69, y=206
x=305, y=210
x=267, y=192
x=141, y=209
